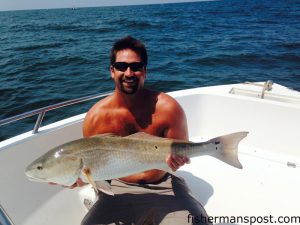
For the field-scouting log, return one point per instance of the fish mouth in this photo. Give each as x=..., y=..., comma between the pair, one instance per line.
x=33, y=178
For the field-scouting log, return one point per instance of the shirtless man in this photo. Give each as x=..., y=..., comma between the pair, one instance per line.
x=132, y=108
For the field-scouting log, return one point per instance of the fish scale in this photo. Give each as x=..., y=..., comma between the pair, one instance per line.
x=115, y=161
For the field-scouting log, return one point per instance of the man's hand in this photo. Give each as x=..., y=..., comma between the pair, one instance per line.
x=175, y=161
x=78, y=183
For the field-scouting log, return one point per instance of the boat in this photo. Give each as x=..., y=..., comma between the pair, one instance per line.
x=266, y=190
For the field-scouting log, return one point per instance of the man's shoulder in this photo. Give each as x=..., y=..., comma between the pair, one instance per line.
x=95, y=117
x=100, y=107
x=173, y=117
x=167, y=102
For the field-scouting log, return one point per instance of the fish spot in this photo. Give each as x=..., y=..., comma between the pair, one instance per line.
x=217, y=143
x=155, y=147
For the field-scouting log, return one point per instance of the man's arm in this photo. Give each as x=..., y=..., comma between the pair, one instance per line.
x=177, y=129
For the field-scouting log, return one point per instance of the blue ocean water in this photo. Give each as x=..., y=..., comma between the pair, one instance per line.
x=49, y=56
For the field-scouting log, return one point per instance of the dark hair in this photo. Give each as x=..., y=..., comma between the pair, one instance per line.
x=129, y=43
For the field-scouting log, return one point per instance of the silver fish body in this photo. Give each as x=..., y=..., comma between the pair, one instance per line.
x=109, y=156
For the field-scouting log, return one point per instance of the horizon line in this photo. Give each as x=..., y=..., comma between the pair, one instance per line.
x=74, y=7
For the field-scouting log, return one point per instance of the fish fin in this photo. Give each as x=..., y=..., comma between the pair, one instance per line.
x=143, y=135
x=173, y=173
x=229, y=151
x=104, y=187
x=87, y=173
x=167, y=169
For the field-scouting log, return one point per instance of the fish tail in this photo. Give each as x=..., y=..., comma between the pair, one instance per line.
x=229, y=148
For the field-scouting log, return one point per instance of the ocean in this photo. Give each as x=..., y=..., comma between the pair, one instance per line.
x=49, y=56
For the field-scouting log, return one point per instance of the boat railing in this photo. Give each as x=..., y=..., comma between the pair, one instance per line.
x=267, y=86
x=4, y=218
x=42, y=111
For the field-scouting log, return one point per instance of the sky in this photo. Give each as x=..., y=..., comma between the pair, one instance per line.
x=49, y=4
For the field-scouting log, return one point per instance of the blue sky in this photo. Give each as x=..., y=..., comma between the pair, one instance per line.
x=43, y=4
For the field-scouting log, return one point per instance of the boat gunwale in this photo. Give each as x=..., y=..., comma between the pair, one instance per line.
x=41, y=111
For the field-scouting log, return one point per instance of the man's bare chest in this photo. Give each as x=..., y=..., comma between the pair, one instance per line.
x=126, y=123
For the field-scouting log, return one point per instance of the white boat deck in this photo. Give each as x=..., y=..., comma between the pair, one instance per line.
x=268, y=185
x=264, y=187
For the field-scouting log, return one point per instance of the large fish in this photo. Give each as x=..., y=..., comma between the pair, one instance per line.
x=108, y=156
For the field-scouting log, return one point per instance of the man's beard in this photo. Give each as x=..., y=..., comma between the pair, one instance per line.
x=129, y=85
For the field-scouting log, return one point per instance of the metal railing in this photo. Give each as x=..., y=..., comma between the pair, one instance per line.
x=267, y=86
x=4, y=218
x=42, y=111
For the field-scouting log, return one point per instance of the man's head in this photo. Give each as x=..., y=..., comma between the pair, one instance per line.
x=128, y=65
x=129, y=43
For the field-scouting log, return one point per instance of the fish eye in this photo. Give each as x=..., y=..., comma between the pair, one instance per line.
x=39, y=167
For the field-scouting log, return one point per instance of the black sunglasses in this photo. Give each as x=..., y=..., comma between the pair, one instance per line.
x=123, y=66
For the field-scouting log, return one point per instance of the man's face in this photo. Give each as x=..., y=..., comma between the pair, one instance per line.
x=128, y=79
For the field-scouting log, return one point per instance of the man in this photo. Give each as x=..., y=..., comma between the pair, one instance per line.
x=154, y=196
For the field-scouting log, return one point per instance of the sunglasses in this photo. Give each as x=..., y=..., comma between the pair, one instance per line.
x=123, y=66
